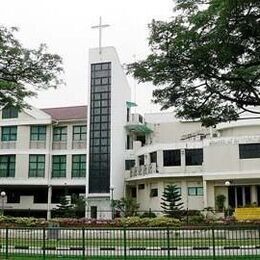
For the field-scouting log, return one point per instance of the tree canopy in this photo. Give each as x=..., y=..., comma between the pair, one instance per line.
x=23, y=71
x=205, y=61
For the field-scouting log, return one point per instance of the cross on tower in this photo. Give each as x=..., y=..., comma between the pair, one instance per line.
x=100, y=27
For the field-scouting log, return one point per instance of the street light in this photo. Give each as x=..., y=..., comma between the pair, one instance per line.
x=3, y=194
x=112, y=200
x=227, y=184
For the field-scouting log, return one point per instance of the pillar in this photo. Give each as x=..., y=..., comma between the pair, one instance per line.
x=49, y=202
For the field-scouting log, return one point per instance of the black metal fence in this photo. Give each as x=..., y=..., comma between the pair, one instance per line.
x=131, y=243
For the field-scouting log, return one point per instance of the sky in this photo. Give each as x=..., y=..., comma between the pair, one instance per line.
x=65, y=26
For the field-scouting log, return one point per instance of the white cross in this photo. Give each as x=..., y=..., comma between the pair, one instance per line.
x=100, y=27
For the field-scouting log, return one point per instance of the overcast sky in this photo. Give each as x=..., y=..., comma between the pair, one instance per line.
x=64, y=25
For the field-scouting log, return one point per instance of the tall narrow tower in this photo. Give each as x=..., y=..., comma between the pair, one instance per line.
x=107, y=116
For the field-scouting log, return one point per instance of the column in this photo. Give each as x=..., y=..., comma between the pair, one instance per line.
x=49, y=202
x=254, y=194
x=205, y=194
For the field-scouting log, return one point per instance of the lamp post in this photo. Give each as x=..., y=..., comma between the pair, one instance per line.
x=112, y=200
x=3, y=194
x=227, y=184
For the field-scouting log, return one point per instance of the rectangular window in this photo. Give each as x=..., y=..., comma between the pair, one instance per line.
x=36, y=165
x=79, y=133
x=141, y=186
x=38, y=133
x=9, y=112
x=171, y=158
x=9, y=133
x=129, y=164
x=154, y=193
x=78, y=165
x=195, y=191
x=153, y=157
x=7, y=165
x=60, y=133
x=58, y=166
x=249, y=151
x=141, y=160
x=194, y=156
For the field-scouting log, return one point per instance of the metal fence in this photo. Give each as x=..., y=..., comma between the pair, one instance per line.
x=131, y=243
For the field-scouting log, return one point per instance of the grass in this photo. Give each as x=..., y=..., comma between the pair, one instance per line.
x=130, y=242
x=20, y=257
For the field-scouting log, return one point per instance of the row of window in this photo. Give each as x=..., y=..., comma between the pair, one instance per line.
x=194, y=156
x=38, y=133
x=37, y=165
x=192, y=191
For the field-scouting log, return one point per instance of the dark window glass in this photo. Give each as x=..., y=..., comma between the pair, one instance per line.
x=7, y=165
x=9, y=112
x=154, y=193
x=78, y=165
x=58, y=166
x=247, y=195
x=38, y=133
x=194, y=156
x=99, y=162
x=9, y=133
x=248, y=151
x=141, y=160
x=153, y=157
x=59, y=133
x=36, y=165
x=133, y=192
x=129, y=164
x=141, y=186
x=172, y=158
x=79, y=133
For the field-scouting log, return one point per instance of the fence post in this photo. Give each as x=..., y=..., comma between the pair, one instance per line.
x=6, y=243
x=125, y=243
x=83, y=242
x=213, y=243
x=168, y=243
x=44, y=242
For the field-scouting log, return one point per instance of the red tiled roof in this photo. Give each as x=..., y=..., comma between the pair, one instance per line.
x=67, y=113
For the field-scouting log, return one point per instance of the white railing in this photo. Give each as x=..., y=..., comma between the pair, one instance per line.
x=143, y=170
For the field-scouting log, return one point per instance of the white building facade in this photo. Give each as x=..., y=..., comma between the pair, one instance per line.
x=104, y=152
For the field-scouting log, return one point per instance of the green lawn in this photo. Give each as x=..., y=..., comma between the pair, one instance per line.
x=130, y=243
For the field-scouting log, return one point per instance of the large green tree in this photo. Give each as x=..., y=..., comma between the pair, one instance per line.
x=205, y=61
x=24, y=71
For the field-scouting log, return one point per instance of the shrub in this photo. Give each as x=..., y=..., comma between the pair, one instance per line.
x=164, y=222
x=148, y=214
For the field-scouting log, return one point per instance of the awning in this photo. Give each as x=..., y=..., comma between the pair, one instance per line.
x=139, y=129
x=130, y=104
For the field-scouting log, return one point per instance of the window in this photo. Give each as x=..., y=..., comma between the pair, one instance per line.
x=133, y=192
x=194, y=156
x=59, y=133
x=172, y=158
x=141, y=160
x=9, y=112
x=78, y=165
x=153, y=157
x=248, y=151
x=129, y=164
x=36, y=165
x=195, y=191
x=9, y=133
x=7, y=165
x=141, y=186
x=58, y=166
x=154, y=193
x=79, y=133
x=38, y=133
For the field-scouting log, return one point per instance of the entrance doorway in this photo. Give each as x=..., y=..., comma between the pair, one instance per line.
x=239, y=196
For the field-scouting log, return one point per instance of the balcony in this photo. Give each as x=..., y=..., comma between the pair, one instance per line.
x=59, y=145
x=79, y=144
x=137, y=125
x=8, y=145
x=37, y=144
x=143, y=170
